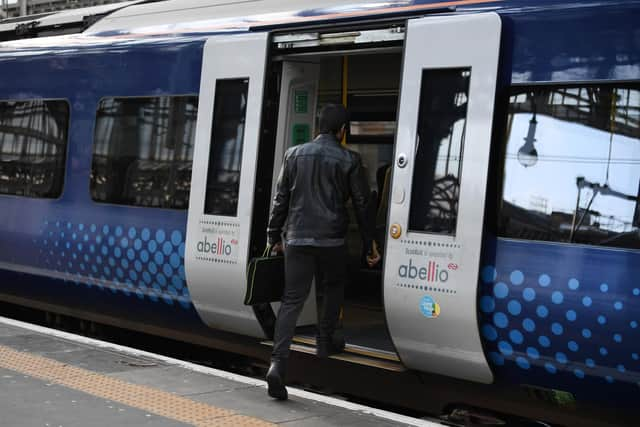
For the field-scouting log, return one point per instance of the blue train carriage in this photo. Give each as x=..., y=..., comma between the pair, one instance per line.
x=139, y=156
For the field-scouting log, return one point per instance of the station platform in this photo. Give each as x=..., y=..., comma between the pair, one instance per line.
x=52, y=378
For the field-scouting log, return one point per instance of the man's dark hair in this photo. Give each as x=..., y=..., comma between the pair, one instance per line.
x=332, y=117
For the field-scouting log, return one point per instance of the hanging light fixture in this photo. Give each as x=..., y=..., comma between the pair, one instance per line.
x=527, y=154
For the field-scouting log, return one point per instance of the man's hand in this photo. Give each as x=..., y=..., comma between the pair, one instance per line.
x=373, y=257
x=277, y=248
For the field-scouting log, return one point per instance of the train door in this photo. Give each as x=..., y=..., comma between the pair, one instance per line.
x=364, y=74
x=436, y=208
x=296, y=125
x=223, y=180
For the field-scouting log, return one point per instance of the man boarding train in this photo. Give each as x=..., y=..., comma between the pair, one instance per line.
x=315, y=183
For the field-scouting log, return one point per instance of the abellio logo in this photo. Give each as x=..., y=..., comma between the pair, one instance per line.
x=219, y=247
x=432, y=272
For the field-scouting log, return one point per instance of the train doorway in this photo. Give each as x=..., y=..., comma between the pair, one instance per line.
x=430, y=192
x=421, y=99
x=366, y=80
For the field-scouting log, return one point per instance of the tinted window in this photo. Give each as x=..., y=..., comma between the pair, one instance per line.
x=225, y=156
x=143, y=150
x=572, y=165
x=33, y=147
x=438, y=157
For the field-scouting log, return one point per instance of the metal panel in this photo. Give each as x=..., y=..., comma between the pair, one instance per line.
x=447, y=340
x=296, y=77
x=41, y=20
x=204, y=16
x=296, y=119
x=315, y=39
x=216, y=279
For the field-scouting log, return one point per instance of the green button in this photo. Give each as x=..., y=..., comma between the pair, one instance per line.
x=301, y=133
x=301, y=101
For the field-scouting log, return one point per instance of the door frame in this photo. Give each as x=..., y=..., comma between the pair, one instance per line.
x=433, y=322
x=217, y=281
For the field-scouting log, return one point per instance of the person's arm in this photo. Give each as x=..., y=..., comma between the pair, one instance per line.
x=280, y=206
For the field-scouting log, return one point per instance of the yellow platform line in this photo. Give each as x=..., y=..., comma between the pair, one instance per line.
x=165, y=404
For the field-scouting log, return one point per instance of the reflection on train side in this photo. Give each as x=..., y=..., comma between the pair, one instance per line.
x=143, y=151
x=571, y=165
x=33, y=141
x=441, y=127
x=225, y=155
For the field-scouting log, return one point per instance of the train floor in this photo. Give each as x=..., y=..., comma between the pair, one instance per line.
x=53, y=378
x=361, y=326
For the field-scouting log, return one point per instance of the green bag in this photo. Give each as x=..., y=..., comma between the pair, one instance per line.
x=265, y=279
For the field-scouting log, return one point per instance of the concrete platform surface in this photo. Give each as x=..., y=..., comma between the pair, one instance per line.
x=51, y=378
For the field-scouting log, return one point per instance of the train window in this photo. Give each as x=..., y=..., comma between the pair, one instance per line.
x=33, y=147
x=225, y=156
x=572, y=165
x=440, y=134
x=143, y=151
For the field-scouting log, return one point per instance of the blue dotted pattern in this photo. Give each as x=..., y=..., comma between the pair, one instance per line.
x=559, y=324
x=137, y=262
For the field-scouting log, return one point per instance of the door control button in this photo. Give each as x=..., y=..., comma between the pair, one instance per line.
x=395, y=231
x=398, y=196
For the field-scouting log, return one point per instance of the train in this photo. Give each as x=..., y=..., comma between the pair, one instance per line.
x=140, y=143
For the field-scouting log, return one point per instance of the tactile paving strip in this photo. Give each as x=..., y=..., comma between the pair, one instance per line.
x=145, y=398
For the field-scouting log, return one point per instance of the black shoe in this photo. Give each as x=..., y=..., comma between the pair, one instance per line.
x=275, y=380
x=325, y=347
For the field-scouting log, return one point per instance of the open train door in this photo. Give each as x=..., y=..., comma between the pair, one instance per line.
x=433, y=241
x=296, y=125
x=223, y=180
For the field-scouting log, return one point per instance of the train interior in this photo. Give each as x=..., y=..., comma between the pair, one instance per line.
x=368, y=84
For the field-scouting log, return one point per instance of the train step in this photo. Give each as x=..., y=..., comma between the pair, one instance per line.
x=352, y=354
